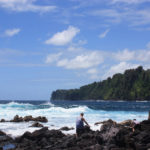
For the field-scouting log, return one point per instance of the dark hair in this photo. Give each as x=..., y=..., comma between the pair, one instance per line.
x=82, y=114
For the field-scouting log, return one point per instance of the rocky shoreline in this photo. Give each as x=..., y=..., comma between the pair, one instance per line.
x=111, y=136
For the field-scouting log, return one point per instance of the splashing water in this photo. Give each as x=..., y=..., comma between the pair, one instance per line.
x=64, y=113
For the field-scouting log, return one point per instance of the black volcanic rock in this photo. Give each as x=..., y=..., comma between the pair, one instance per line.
x=112, y=136
x=2, y=120
x=27, y=119
x=5, y=140
x=36, y=124
x=17, y=119
x=66, y=128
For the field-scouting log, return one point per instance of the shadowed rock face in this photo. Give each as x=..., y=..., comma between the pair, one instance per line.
x=4, y=140
x=110, y=137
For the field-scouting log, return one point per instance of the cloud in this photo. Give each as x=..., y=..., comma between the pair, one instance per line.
x=133, y=16
x=83, y=61
x=125, y=55
x=130, y=1
x=109, y=15
x=52, y=57
x=148, y=45
x=92, y=71
x=143, y=55
x=64, y=37
x=72, y=48
x=119, y=68
x=9, y=55
x=102, y=35
x=24, y=6
x=134, y=55
x=12, y=32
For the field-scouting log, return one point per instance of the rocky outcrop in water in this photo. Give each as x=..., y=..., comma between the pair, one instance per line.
x=112, y=136
x=26, y=119
x=36, y=124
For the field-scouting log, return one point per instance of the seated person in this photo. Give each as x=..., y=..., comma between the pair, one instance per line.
x=80, y=124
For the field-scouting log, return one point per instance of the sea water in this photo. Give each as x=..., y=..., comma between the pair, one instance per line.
x=64, y=113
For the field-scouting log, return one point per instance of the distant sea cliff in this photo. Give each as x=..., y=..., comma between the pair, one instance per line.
x=134, y=84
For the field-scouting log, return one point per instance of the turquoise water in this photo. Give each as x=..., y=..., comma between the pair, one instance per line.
x=64, y=113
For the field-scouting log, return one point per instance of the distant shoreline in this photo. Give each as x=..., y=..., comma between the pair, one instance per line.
x=132, y=85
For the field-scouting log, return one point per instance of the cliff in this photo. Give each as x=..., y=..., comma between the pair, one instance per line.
x=133, y=84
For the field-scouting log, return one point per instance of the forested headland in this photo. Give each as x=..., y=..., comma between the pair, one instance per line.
x=133, y=84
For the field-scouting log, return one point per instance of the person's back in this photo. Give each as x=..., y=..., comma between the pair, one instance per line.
x=79, y=123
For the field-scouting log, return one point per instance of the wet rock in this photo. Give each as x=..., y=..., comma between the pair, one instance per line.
x=145, y=125
x=87, y=129
x=41, y=119
x=2, y=133
x=105, y=122
x=26, y=135
x=107, y=125
x=39, y=133
x=29, y=118
x=36, y=124
x=111, y=137
x=66, y=128
x=126, y=122
x=17, y=119
x=4, y=138
x=95, y=147
x=2, y=120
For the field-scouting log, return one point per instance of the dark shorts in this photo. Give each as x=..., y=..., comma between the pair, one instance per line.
x=79, y=131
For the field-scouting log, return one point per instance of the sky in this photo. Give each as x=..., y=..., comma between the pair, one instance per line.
x=62, y=44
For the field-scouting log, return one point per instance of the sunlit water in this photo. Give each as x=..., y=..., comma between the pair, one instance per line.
x=64, y=113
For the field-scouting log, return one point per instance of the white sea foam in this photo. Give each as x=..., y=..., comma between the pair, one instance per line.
x=58, y=116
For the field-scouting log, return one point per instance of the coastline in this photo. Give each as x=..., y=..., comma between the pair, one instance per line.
x=62, y=113
x=111, y=136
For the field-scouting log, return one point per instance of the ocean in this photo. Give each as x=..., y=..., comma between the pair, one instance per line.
x=64, y=113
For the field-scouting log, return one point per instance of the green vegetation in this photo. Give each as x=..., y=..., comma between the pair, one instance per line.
x=134, y=84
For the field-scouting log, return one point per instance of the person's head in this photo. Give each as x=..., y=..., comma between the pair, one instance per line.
x=82, y=114
x=134, y=119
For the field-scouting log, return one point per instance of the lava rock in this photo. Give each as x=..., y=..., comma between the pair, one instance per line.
x=2, y=120
x=17, y=119
x=41, y=119
x=66, y=128
x=36, y=124
x=29, y=118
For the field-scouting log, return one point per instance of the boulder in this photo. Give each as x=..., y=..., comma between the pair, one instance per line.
x=28, y=118
x=2, y=133
x=126, y=122
x=66, y=128
x=111, y=137
x=41, y=119
x=17, y=119
x=36, y=124
x=2, y=120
